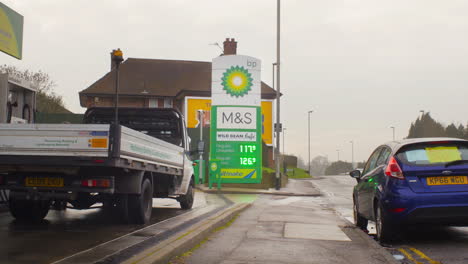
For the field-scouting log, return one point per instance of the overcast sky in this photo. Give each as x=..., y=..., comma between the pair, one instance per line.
x=361, y=65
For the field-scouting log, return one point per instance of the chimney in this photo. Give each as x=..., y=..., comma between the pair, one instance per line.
x=230, y=47
x=112, y=61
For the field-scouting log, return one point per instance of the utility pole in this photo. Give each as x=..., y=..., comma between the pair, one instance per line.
x=393, y=129
x=352, y=154
x=278, y=84
x=338, y=152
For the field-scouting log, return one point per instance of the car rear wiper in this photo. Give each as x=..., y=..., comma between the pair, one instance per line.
x=455, y=162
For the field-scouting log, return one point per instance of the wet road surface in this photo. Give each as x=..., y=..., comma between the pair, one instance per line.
x=64, y=233
x=418, y=244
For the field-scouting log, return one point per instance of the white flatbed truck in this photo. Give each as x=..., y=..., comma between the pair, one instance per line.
x=123, y=166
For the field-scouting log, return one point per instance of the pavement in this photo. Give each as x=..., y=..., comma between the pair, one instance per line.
x=279, y=229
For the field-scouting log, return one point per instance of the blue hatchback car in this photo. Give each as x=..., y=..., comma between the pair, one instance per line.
x=413, y=181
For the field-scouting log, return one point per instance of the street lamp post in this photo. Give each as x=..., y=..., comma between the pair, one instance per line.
x=278, y=84
x=284, y=149
x=308, y=134
x=352, y=154
x=393, y=132
x=273, y=82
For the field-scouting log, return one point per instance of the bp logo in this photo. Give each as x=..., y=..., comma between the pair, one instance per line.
x=214, y=166
x=237, y=81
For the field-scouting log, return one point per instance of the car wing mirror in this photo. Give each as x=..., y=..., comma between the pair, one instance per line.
x=356, y=174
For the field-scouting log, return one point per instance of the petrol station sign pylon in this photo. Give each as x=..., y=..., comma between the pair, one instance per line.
x=236, y=120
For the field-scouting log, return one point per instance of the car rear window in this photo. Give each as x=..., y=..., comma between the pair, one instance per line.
x=433, y=153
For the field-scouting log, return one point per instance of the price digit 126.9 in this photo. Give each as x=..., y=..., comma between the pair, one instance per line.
x=248, y=161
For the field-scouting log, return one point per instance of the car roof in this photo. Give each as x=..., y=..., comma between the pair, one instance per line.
x=397, y=144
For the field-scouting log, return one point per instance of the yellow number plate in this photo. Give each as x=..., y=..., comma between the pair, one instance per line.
x=43, y=182
x=447, y=180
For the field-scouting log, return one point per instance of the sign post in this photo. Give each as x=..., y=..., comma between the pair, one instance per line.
x=236, y=119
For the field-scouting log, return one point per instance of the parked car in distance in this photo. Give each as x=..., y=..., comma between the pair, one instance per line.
x=412, y=182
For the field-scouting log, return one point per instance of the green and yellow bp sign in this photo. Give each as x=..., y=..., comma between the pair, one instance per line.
x=11, y=32
x=236, y=119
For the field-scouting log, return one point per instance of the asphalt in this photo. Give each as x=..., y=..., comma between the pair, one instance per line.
x=279, y=229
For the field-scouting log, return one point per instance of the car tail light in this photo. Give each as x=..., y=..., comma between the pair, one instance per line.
x=103, y=183
x=397, y=210
x=393, y=169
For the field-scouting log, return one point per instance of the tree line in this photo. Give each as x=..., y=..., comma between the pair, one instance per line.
x=426, y=126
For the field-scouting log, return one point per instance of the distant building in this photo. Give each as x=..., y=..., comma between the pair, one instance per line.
x=167, y=84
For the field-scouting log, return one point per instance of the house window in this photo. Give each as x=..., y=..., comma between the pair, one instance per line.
x=167, y=103
x=153, y=103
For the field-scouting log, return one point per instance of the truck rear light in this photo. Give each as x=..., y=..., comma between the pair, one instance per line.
x=393, y=169
x=102, y=183
x=98, y=161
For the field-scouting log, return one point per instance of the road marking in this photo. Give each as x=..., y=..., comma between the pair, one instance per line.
x=408, y=256
x=422, y=255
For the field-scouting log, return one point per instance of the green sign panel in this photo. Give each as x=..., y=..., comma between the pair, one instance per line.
x=11, y=32
x=236, y=142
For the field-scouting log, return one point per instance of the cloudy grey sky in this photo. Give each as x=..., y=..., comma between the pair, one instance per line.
x=361, y=65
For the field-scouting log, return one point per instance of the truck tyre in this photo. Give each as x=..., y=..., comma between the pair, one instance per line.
x=186, y=201
x=141, y=205
x=28, y=210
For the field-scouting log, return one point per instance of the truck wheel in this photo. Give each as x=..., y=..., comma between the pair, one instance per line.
x=27, y=210
x=141, y=205
x=186, y=201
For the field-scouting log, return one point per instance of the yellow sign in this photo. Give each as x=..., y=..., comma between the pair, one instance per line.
x=238, y=173
x=11, y=32
x=267, y=122
x=194, y=104
x=192, y=115
x=443, y=154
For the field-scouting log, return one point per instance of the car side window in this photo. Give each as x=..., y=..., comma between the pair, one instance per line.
x=372, y=162
x=384, y=154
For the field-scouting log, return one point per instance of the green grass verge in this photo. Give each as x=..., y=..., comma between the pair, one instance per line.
x=297, y=173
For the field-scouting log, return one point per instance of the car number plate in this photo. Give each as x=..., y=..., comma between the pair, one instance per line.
x=44, y=182
x=447, y=180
